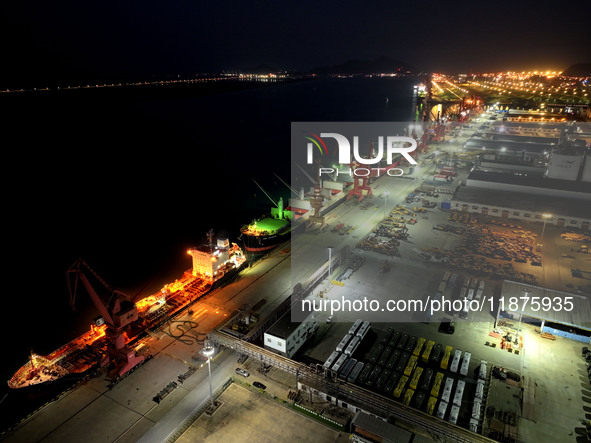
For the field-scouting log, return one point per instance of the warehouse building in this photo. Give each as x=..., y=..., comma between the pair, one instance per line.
x=570, y=213
x=529, y=183
x=558, y=313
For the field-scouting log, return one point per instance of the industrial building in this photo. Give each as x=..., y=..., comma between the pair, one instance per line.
x=366, y=428
x=562, y=313
x=523, y=206
x=286, y=337
x=528, y=175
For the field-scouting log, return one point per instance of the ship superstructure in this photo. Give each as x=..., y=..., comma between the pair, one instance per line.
x=212, y=261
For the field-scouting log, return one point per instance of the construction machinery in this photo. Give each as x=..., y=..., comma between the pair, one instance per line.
x=118, y=313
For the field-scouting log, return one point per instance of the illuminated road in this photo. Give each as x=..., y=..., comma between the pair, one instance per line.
x=222, y=369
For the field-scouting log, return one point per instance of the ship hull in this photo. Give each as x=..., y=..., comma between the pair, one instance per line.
x=262, y=243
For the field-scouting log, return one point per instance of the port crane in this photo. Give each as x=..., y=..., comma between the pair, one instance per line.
x=118, y=313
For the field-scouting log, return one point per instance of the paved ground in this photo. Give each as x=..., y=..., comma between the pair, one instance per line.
x=246, y=414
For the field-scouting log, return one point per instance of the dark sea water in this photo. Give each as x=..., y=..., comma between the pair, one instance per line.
x=130, y=183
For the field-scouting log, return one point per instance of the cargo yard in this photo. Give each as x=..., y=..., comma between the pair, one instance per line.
x=450, y=374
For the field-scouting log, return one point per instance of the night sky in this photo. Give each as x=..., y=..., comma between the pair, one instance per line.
x=70, y=41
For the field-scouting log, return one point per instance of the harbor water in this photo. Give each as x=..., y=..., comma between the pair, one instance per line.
x=130, y=184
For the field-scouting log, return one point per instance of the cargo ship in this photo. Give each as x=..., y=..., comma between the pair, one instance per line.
x=213, y=264
x=269, y=231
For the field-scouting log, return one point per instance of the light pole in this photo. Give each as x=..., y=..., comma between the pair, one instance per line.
x=208, y=351
x=526, y=292
x=329, y=261
x=386, y=193
x=546, y=217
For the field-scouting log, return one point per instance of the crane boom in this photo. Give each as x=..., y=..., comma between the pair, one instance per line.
x=118, y=313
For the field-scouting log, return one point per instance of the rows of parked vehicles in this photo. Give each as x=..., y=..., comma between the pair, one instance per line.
x=418, y=372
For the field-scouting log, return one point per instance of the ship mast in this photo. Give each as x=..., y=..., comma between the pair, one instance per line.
x=210, y=238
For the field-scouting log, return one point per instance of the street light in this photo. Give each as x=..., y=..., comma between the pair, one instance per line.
x=208, y=351
x=386, y=193
x=329, y=261
x=546, y=217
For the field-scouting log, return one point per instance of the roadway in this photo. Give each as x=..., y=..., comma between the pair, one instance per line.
x=222, y=368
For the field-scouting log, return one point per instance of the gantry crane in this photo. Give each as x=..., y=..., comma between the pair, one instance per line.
x=118, y=313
